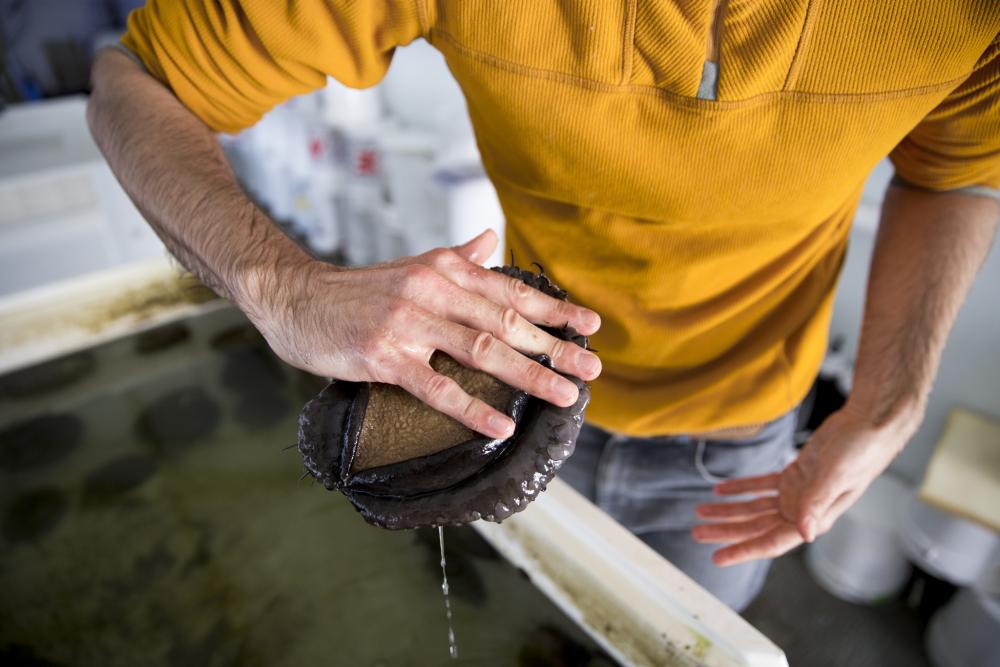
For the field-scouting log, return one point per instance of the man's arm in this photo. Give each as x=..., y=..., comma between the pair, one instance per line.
x=928, y=249
x=172, y=167
x=379, y=323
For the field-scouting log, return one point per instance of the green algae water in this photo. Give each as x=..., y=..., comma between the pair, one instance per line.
x=153, y=515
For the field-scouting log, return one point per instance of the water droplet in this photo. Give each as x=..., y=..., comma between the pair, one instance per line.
x=452, y=646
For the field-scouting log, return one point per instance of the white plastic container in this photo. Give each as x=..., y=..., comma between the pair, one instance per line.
x=945, y=545
x=62, y=212
x=859, y=559
x=965, y=632
x=417, y=200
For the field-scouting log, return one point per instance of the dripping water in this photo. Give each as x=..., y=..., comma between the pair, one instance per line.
x=452, y=646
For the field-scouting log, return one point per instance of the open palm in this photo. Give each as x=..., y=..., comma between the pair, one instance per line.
x=777, y=512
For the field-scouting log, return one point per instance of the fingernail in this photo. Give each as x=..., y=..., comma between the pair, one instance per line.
x=592, y=320
x=590, y=365
x=810, y=527
x=503, y=427
x=566, y=390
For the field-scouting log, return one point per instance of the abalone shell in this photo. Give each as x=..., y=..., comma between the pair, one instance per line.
x=404, y=465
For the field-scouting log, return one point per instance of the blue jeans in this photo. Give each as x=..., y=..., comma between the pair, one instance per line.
x=652, y=485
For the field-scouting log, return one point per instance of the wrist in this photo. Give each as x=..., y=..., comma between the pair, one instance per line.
x=899, y=419
x=266, y=282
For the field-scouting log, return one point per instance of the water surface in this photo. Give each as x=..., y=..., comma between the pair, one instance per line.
x=151, y=517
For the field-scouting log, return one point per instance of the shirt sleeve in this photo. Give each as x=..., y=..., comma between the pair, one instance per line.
x=957, y=145
x=230, y=61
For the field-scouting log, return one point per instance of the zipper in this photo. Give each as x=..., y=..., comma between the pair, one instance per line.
x=708, y=87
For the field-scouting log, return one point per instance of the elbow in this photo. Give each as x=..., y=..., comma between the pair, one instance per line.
x=97, y=85
x=92, y=112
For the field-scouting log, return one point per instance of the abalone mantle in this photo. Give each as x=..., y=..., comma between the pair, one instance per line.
x=404, y=465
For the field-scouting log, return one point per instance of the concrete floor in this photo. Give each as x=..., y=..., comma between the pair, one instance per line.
x=816, y=629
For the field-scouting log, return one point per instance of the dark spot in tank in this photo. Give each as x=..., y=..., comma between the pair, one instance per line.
x=153, y=563
x=239, y=337
x=34, y=514
x=179, y=418
x=19, y=655
x=464, y=581
x=252, y=368
x=548, y=646
x=47, y=376
x=201, y=557
x=219, y=646
x=262, y=407
x=117, y=477
x=161, y=338
x=39, y=442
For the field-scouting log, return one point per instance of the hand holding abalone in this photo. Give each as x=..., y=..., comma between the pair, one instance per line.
x=402, y=464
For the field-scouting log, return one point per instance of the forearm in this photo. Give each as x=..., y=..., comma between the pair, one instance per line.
x=928, y=250
x=172, y=167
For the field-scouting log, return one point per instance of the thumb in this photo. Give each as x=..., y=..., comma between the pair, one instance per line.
x=816, y=502
x=480, y=247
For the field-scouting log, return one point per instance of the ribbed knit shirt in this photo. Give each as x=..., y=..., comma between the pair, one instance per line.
x=704, y=217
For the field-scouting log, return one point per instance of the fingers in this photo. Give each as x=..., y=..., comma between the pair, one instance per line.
x=737, y=511
x=839, y=506
x=534, y=305
x=479, y=248
x=451, y=302
x=509, y=292
x=817, y=500
x=482, y=350
x=506, y=325
x=736, y=487
x=727, y=533
x=770, y=544
x=445, y=395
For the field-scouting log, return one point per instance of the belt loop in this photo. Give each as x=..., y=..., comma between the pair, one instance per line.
x=699, y=463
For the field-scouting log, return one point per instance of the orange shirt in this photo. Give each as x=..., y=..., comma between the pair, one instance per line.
x=708, y=233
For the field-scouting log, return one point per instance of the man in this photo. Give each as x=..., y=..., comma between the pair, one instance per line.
x=689, y=170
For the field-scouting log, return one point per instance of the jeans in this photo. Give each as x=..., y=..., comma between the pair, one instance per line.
x=652, y=485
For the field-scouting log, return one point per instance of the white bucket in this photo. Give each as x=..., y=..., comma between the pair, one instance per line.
x=946, y=545
x=965, y=632
x=859, y=559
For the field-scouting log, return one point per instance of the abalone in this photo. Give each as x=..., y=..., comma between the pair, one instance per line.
x=404, y=465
